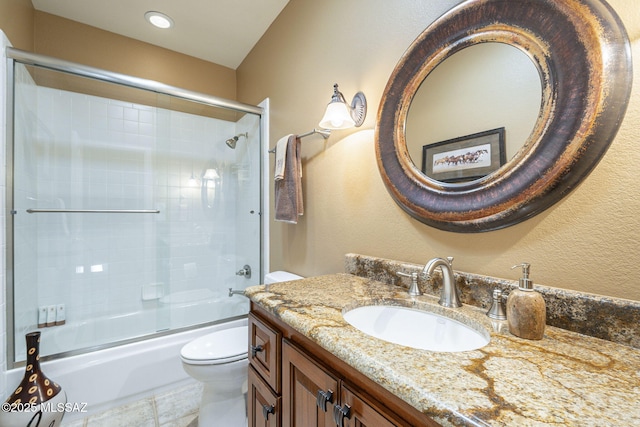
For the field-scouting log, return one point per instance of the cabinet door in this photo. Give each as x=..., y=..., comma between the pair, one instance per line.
x=264, y=351
x=355, y=412
x=308, y=391
x=263, y=406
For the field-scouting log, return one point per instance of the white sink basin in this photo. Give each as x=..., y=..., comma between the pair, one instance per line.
x=415, y=328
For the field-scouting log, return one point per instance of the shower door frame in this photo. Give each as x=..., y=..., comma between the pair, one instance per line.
x=14, y=56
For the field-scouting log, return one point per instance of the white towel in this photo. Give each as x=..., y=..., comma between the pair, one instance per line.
x=281, y=157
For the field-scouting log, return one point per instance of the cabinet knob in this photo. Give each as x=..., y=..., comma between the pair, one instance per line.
x=255, y=349
x=340, y=413
x=268, y=409
x=322, y=398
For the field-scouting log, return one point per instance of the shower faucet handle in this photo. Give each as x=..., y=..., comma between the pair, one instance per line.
x=245, y=271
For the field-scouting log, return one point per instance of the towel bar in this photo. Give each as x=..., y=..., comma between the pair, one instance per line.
x=143, y=211
x=323, y=132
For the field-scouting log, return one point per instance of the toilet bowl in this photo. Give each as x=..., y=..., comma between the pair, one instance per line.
x=219, y=360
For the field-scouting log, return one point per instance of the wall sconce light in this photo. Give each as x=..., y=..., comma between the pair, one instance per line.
x=210, y=174
x=340, y=115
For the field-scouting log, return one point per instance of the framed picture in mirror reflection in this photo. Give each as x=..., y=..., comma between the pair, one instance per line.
x=465, y=158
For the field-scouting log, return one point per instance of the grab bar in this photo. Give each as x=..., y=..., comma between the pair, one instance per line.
x=136, y=211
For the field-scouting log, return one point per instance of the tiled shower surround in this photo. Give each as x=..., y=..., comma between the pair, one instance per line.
x=79, y=151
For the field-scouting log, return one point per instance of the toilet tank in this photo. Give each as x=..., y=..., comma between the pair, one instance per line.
x=280, y=276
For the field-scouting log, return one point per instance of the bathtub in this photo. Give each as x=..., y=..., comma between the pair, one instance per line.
x=174, y=311
x=110, y=377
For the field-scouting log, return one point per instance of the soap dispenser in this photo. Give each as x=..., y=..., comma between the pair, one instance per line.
x=526, y=309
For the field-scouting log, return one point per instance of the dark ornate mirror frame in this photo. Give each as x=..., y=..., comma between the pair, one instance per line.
x=583, y=54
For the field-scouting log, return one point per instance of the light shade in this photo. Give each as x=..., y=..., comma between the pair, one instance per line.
x=339, y=115
x=158, y=19
x=210, y=174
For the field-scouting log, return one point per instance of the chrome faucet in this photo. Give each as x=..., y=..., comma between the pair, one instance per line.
x=449, y=295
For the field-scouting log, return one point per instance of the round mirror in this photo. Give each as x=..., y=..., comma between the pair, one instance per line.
x=486, y=92
x=582, y=58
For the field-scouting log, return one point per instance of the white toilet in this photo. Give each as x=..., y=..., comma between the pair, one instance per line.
x=219, y=360
x=280, y=276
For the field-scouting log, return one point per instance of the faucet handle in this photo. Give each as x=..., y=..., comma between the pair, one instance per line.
x=497, y=310
x=414, y=290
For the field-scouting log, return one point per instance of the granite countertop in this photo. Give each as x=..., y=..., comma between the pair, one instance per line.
x=565, y=379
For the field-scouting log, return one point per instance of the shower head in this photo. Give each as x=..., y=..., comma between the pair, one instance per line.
x=231, y=142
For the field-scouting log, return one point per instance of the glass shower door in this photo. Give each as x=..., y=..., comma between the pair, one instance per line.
x=131, y=215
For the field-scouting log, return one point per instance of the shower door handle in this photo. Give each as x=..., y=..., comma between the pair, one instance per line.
x=140, y=211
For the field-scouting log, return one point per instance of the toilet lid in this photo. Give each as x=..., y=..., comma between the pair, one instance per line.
x=224, y=346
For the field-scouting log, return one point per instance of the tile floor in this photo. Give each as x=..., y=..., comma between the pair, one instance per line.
x=176, y=408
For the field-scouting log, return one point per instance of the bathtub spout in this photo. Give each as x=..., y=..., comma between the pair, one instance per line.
x=233, y=292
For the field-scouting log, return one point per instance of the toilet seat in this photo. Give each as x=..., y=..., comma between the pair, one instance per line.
x=217, y=348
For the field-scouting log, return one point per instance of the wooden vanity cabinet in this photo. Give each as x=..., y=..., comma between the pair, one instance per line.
x=293, y=382
x=263, y=405
x=309, y=391
x=264, y=351
x=263, y=387
x=312, y=396
x=363, y=413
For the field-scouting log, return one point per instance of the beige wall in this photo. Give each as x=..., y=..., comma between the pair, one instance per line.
x=589, y=241
x=16, y=21
x=51, y=35
x=70, y=40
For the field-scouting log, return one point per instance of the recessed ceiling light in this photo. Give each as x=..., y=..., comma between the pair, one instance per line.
x=158, y=19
